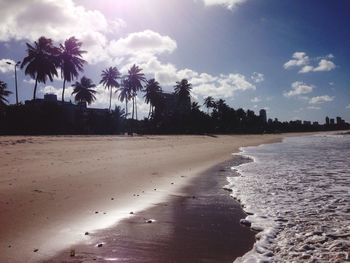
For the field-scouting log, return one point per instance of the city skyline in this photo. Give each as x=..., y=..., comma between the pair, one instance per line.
x=289, y=58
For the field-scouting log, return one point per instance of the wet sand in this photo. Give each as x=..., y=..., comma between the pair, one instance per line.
x=199, y=224
x=54, y=189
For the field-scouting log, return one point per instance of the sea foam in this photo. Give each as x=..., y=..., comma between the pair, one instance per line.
x=296, y=194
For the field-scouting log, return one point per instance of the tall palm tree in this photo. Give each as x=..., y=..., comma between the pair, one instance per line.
x=41, y=61
x=183, y=89
x=84, y=91
x=136, y=79
x=209, y=103
x=109, y=79
x=3, y=94
x=153, y=91
x=71, y=61
x=125, y=94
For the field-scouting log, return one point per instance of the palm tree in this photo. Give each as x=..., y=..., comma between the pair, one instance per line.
x=221, y=105
x=195, y=106
x=3, y=94
x=71, y=61
x=153, y=91
x=109, y=79
x=119, y=112
x=183, y=89
x=83, y=90
x=209, y=103
x=41, y=60
x=125, y=94
x=135, y=79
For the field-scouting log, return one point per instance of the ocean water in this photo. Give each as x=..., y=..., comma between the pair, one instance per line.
x=297, y=197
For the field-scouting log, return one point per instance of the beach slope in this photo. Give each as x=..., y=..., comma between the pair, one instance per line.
x=55, y=189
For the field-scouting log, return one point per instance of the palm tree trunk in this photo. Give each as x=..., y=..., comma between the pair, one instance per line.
x=64, y=87
x=35, y=86
x=110, y=100
x=136, y=107
x=133, y=108
x=150, y=110
x=126, y=108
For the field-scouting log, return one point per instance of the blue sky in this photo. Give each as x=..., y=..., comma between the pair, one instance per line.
x=291, y=57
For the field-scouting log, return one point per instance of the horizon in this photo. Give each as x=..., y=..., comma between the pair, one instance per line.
x=289, y=58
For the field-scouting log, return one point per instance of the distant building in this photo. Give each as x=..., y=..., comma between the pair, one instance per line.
x=339, y=121
x=307, y=122
x=327, y=121
x=50, y=97
x=315, y=123
x=69, y=108
x=263, y=116
x=331, y=121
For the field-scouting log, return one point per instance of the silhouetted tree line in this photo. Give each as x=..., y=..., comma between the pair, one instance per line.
x=168, y=113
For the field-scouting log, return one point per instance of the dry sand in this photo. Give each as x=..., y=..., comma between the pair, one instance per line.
x=54, y=189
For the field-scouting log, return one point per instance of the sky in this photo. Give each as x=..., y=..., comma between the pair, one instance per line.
x=290, y=57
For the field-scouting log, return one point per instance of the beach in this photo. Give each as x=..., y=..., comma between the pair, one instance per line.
x=59, y=194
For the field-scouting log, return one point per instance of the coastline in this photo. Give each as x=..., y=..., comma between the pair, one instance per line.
x=54, y=189
x=199, y=224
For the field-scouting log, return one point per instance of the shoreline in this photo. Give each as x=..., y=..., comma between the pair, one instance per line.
x=199, y=224
x=66, y=190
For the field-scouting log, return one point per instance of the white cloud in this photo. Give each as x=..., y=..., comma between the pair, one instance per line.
x=325, y=65
x=6, y=68
x=197, y=79
x=59, y=20
x=314, y=108
x=321, y=99
x=29, y=81
x=58, y=92
x=230, y=4
x=298, y=59
x=299, y=88
x=24, y=19
x=306, y=69
x=257, y=77
x=102, y=98
x=165, y=73
x=145, y=42
x=204, y=84
x=347, y=107
x=225, y=86
x=255, y=100
x=301, y=60
x=116, y=24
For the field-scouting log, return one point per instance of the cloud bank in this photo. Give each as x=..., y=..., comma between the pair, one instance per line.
x=302, y=61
